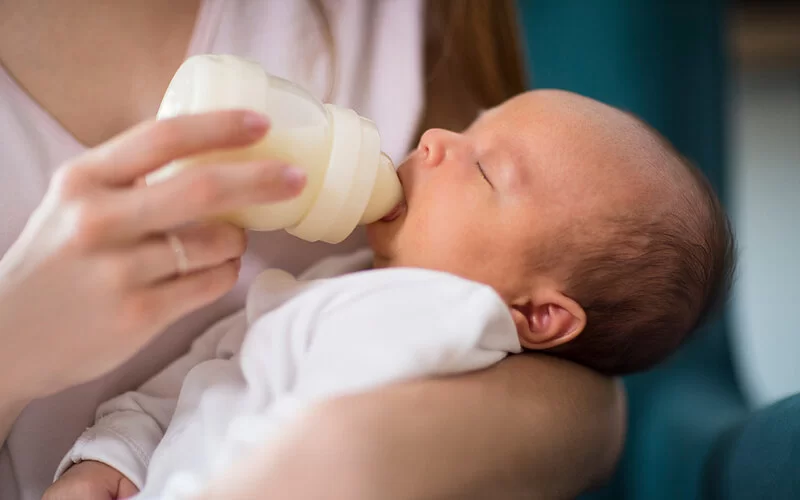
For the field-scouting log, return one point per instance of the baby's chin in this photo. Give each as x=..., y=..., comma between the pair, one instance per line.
x=381, y=237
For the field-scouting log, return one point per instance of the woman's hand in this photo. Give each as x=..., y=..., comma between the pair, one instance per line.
x=98, y=271
x=91, y=481
x=531, y=427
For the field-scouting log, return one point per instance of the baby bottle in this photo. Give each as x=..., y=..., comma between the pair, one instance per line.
x=349, y=180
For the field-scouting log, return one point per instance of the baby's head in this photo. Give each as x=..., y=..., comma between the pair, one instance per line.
x=607, y=246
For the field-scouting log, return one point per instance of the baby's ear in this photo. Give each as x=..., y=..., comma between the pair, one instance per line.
x=548, y=319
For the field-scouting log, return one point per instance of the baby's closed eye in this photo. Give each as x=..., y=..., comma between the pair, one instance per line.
x=483, y=173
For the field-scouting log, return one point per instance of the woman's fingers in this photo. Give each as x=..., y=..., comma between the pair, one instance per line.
x=152, y=144
x=203, y=246
x=205, y=191
x=170, y=300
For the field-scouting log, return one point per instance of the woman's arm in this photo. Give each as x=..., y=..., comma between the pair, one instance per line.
x=10, y=408
x=531, y=427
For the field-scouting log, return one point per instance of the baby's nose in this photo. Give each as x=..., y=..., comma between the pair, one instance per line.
x=434, y=144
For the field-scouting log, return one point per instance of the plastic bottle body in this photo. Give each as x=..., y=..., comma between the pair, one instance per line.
x=349, y=180
x=292, y=146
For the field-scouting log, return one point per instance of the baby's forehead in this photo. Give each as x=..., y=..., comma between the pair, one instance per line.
x=578, y=147
x=539, y=125
x=573, y=123
x=553, y=126
x=558, y=106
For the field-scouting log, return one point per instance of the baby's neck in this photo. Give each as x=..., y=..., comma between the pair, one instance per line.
x=380, y=263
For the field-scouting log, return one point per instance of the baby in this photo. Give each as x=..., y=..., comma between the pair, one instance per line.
x=554, y=223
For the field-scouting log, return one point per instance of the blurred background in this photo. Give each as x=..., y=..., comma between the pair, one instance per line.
x=721, y=80
x=764, y=191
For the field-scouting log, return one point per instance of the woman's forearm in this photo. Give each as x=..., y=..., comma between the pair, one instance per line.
x=14, y=395
x=531, y=427
x=9, y=411
x=13, y=398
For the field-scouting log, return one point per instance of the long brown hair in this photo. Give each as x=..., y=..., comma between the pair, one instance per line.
x=473, y=58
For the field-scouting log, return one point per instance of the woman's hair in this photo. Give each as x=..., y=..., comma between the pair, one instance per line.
x=473, y=58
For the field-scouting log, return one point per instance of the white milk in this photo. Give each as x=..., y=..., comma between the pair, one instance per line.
x=349, y=180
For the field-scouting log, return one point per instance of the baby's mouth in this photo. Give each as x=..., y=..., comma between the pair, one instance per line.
x=395, y=212
x=402, y=206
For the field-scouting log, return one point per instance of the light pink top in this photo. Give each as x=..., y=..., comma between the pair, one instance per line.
x=379, y=73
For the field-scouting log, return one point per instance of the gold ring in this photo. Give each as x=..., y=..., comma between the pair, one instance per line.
x=181, y=260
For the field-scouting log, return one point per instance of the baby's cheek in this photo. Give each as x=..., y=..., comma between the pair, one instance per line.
x=434, y=229
x=451, y=249
x=417, y=242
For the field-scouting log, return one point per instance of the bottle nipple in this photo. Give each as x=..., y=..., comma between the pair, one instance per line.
x=386, y=193
x=360, y=184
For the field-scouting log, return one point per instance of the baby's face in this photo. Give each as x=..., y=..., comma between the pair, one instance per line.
x=484, y=204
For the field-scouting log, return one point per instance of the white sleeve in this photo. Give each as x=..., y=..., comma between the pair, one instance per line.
x=128, y=428
x=402, y=324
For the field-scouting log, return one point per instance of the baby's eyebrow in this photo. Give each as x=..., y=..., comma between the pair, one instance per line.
x=500, y=173
x=516, y=176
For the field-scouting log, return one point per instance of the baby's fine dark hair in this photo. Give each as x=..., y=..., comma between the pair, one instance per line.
x=652, y=280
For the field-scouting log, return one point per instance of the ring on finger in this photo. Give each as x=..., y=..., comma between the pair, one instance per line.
x=181, y=259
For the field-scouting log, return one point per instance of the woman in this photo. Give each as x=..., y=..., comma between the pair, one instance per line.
x=96, y=273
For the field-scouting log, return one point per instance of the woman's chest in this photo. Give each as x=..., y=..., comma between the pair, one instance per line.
x=95, y=71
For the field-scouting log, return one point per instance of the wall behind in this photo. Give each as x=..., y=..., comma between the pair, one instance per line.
x=765, y=194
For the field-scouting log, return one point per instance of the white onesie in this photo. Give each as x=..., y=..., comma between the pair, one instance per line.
x=296, y=343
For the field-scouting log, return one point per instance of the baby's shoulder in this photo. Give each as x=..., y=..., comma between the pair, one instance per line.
x=409, y=286
x=325, y=290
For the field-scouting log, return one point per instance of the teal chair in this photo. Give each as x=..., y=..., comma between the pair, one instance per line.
x=690, y=434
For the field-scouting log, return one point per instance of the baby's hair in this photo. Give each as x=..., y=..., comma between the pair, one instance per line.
x=648, y=279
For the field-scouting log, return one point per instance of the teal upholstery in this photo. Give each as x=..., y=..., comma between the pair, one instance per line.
x=690, y=433
x=760, y=458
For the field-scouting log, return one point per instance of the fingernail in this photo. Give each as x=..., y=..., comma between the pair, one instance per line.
x=255, y=123
x=294, y=177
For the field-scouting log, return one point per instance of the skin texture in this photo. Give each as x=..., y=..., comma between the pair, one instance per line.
x=487, y=204
x=86, y=51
